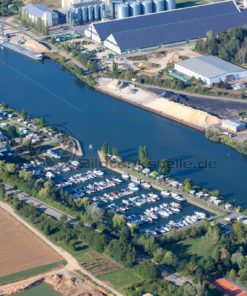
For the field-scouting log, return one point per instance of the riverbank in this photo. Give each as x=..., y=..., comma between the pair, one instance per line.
x=197, y=119
x=158, y=186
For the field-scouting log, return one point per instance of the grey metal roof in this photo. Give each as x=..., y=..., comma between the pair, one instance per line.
x=177, y=16
x=35, y=10
x=210, y=66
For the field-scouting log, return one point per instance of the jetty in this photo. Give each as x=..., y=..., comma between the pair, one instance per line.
x=198, y=203
x=5, y=43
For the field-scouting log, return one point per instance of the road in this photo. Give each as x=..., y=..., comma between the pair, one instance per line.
x=72, y=262
x=41, y=206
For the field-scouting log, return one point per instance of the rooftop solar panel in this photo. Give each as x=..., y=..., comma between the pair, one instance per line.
x=167, y=17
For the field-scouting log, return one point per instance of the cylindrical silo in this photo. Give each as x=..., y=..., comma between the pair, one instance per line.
x=84, y=14
x=90, y=13
x=96, y=12
x=135, y=8
x=101, y=10
x=122, y=11
x=147, y=7
x=158, y=5
x=170, y=4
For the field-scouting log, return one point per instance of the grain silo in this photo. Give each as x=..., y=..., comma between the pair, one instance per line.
x=102, y=10
x=135, y=9
x=170, y=4
x=147, y=7
x=96, y=12
x=122, y=11
x=158, y=5
x=84, y=15
x=90, y=13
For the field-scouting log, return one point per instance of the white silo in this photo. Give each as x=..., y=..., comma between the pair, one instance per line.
x=122, y=11
x=147, y=7
x=135, y=9
x=96, y=12
x=158, y=5
x=90, y=13
x=170, y=4
x=84, y=14
x=101, y=10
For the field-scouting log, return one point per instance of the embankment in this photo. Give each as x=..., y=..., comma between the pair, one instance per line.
x=186, y=115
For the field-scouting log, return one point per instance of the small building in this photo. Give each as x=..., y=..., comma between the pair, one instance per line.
x=210, y=69
x=36, y=11
x=233, y=125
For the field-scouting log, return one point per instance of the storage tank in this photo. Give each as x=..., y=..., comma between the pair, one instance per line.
x=90, y=13
x=96, y=12
x=122, y=11
x=170, y=4
x=135, y=9
x=101, y=10
x=158, y=5
x=147, y=7
x=84, y=15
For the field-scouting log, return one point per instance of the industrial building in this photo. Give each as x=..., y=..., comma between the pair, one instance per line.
x=210, y=69
x=89, y=11
x=36, y=11
x=233, y=125
x=160, y=29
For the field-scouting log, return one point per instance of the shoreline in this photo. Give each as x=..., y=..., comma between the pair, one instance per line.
x=159, y=113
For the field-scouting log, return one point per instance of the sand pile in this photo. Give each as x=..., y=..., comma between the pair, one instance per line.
x=182, y=112
x=35, y=46
x=123, y=87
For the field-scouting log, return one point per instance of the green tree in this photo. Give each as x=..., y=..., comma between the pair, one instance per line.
x=106, y=148
x=148, y=270
x=114, y=151
x=2, y=190
x=164, y=167
x=119, y=220
x=94, y=213
x=143, y=156
x=24, y=114
x=12, y=132
x=170, y=259
x=188, y=185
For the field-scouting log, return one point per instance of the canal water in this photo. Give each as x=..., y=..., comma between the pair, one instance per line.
x=50, y=91
x=40, y=290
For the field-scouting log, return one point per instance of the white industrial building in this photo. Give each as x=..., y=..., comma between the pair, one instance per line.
x=210, y=69
x=233, y=125
x=36, y=11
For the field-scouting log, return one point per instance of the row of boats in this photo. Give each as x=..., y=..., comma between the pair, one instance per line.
x=63, y=167
x=181, y=223
x=80, y=178
x=96, y=187
x=135, y=181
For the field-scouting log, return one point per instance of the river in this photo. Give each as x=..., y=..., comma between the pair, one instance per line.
x=50, y=91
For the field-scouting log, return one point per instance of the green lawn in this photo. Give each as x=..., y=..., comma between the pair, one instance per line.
x=120, y=279
x=186, y=248
x=29, y=272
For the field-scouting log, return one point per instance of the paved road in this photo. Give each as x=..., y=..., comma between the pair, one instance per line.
x=43, y=207
x=72, y=263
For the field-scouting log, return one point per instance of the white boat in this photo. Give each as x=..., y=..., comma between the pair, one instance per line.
x=125, y=176
x=165, y=193
x=133, y=187
x=136, y=181
x=146, y=185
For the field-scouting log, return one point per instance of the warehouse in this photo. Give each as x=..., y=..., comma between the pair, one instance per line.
x=165, y=28
x=36, y=11
x=233, y=125
x=210, y=69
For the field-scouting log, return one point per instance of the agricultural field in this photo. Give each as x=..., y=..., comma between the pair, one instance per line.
x=20, y=250
x=50, y=4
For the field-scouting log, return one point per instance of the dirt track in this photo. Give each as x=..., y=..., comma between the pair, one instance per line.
x=72, y=263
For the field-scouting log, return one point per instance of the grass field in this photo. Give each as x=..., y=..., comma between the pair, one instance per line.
x=120, y=279
x=199, y=247
x=48, y=3
x=28, y=273
x=20, y=249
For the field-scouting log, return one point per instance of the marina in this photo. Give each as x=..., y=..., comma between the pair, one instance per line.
x=85, y=112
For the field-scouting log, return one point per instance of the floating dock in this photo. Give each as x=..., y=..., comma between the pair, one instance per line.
x=5, y=43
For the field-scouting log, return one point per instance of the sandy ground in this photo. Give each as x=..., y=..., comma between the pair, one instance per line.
x=21, y=249
x=149, y=100
x=169, y=56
